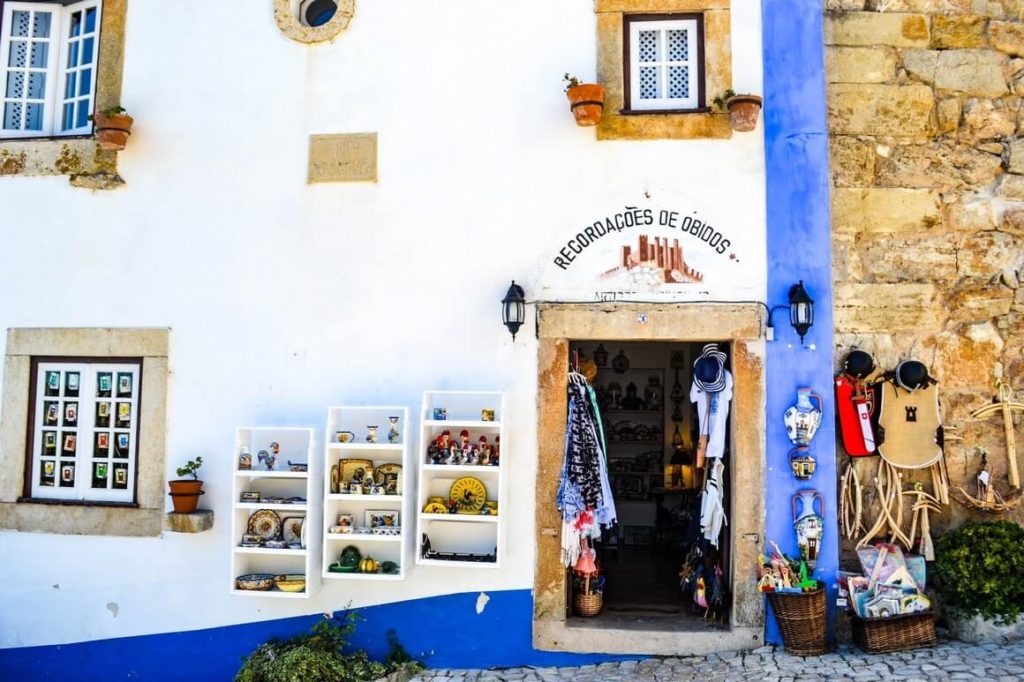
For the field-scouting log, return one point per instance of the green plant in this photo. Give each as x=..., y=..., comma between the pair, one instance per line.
x=318, y=655
x=109, y=113
x=570, y=81
x=722, y=100
x=191, y=468
x=979, y=570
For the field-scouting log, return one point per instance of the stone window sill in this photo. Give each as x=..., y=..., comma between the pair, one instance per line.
x=78, y=519
x=80, y=158
x=664, y=125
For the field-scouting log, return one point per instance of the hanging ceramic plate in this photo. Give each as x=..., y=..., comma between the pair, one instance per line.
x=291, y=529
x=469, y=493
x=265, y=523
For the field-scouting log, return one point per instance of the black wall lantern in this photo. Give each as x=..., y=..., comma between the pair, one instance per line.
x=801, y=309
x=513, y=308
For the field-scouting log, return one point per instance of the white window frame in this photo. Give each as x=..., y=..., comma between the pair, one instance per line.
x=85, y=430
x=695, y=47
x=56, y=70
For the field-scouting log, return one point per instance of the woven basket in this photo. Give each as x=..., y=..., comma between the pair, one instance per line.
x=895, y=633
x=587, y=605
x=802, y=618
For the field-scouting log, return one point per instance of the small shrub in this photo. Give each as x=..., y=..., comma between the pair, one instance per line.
x=979, y=569
x=317, y=656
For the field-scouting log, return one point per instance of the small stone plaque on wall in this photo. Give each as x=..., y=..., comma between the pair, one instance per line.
x=350, y=157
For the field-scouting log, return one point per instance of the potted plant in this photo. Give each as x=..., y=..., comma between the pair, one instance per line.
x=113, y=126
x=185, y=493
x=586, y=100
x=743, y=110
x=979, y=571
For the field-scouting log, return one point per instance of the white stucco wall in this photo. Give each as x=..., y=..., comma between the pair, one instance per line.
x=285, y=298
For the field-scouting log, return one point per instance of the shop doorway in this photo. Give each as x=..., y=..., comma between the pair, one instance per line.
x=649, y=613
x=651, y=435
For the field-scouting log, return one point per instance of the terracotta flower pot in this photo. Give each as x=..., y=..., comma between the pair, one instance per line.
x=743, y=112
x=587, y=103
x=185, y=495
x=112, y=131
x=185, y=486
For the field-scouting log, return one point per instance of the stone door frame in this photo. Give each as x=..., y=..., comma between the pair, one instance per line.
x=739, y=324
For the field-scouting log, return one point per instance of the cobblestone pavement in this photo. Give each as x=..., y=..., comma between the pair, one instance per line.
x=948, y=661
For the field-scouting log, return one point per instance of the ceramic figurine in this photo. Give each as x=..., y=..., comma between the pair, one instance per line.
x=275, y=448
x=485, y=451
x=371, y=435
x=470, y=455
x=486, y=415
x=440, y=414
x=802, y=463
x=451, y=458
x=632, y=400
x=444, y=438
x=804, y=418
x=496, y=452
x=808, y=524
x=653, y=394
x=244, y=459
x=393, y=434
x=267, y=459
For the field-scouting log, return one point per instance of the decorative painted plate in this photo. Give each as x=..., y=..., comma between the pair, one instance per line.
x=390, y=476
x=435, y=508
x=265, y=523
x=291, y=529
x=469, y=494
x=355, y=470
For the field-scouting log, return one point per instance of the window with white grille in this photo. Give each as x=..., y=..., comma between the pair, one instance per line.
x=85, y=430
x=48, y=56
x=665, y=63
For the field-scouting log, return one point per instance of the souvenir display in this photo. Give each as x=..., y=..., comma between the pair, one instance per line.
x=711, y=392
x=988, y=498
x=345, y=436
x=909, y=420
x=468, y=495
x=889, y=586
x=389, y=477
x=371, y=434
x=802, y=463
x=265, y=523
x=808, y=524
x=427, y=552
x=440, y=414
x=266, y=459
x=1005, y=407
x=250, y=496
x=382, y=518
x=255, y=581
x=803, y=419
x=462, y=451
x=486, y=415
x=290, y=583
x=293, y=530
x=348, y=561
x=393, y=434
x=856, y=401
x=587, y=600
x=251, y=540
x=244, y=459
x=298, y=466
x=358, y=471
x=777, y=572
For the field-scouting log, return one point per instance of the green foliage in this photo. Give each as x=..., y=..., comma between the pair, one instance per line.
x=980, y=570
x=723, y=99
x=317, y=656
x=570, y=81
x=191, y=468
x=112, y=111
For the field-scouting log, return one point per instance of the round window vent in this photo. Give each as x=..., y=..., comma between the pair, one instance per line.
x=317, y=12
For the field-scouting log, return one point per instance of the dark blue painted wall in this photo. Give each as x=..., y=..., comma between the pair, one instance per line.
x=799, y=248
x=443, y=632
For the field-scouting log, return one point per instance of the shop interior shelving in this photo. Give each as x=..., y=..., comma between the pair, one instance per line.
x=296, y=445
x=381, y=548
x=461, y=533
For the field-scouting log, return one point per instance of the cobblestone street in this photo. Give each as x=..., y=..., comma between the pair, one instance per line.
x=948, y=661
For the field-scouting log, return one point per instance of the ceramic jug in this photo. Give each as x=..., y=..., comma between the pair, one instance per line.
x=808, y=524
x=802, y=463
x=804, y=418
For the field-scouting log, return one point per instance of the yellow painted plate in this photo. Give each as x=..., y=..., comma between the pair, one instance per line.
x=469, y=493
x=435, y=508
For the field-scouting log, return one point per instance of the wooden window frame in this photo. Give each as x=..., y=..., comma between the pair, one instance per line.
x=627, y=63
x=135, y=429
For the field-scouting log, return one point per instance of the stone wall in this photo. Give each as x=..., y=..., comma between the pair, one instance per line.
x=927, y=143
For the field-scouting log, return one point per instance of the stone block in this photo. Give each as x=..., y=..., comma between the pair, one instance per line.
x=984, y=120
x=986, y=255
x=885, y=308
x=1011, y=187
x=872, y=109
x=970, y=215
x=1013, y=222
x=195, y=522
x=952, y=31
x=901, y=259
x=847, y=265
x=966, y=358
x=884, y=209
x=853, y=161
x=939, y=165
x=1015, y=159
x=343, y=158
x=860, y=64
x=973, y=72
x=1007, y=36
x=874, y=28
x=980, y=302
x=922, y=6
x=947, y=114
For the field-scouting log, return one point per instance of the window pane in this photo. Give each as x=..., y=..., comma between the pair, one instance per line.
x=34, y=117
x=87, y=47
x=120, y=476
x=69, y=87
x=649, y=83
x=19, y=55
x=20, y=24
x=49, y=443
x=48, y=473
x=12, y=116
x=36, y=85
x=76, y=24
x=40, y=52
x=85, y=82
x=82, y=119
x=68, y=119
x=41, y=25
x=649, y=45
x=678, y=46
x=121, y=444
x=67, y=474
x=90, y=20
x=679, y=82
x=15, y=84
x=101, y=446
x=99, y=474
x=72, y=54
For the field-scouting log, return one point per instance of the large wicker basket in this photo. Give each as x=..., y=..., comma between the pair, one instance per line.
x=895, y=633
x=587, y=605
x=803, y=620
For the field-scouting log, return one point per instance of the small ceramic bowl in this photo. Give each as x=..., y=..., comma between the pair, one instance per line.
x=290, y=583
x=298, y=466
x=346, y=530
x=275, y=544
x=335, y=530
x=255, y=581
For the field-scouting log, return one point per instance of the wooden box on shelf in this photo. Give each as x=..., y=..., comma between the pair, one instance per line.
x=272, y=478
x=367, y=489
x=460, y=507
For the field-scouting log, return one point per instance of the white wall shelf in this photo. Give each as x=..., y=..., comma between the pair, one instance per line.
x=460, y=533
x=297, y=445
x=380, y=548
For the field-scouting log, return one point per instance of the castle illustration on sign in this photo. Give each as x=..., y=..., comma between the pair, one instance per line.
x=653, y=263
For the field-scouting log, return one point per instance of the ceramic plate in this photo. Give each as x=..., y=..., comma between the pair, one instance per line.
x=350, y=468
x=291, y=529
x=469, y=493
x=265, y=523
